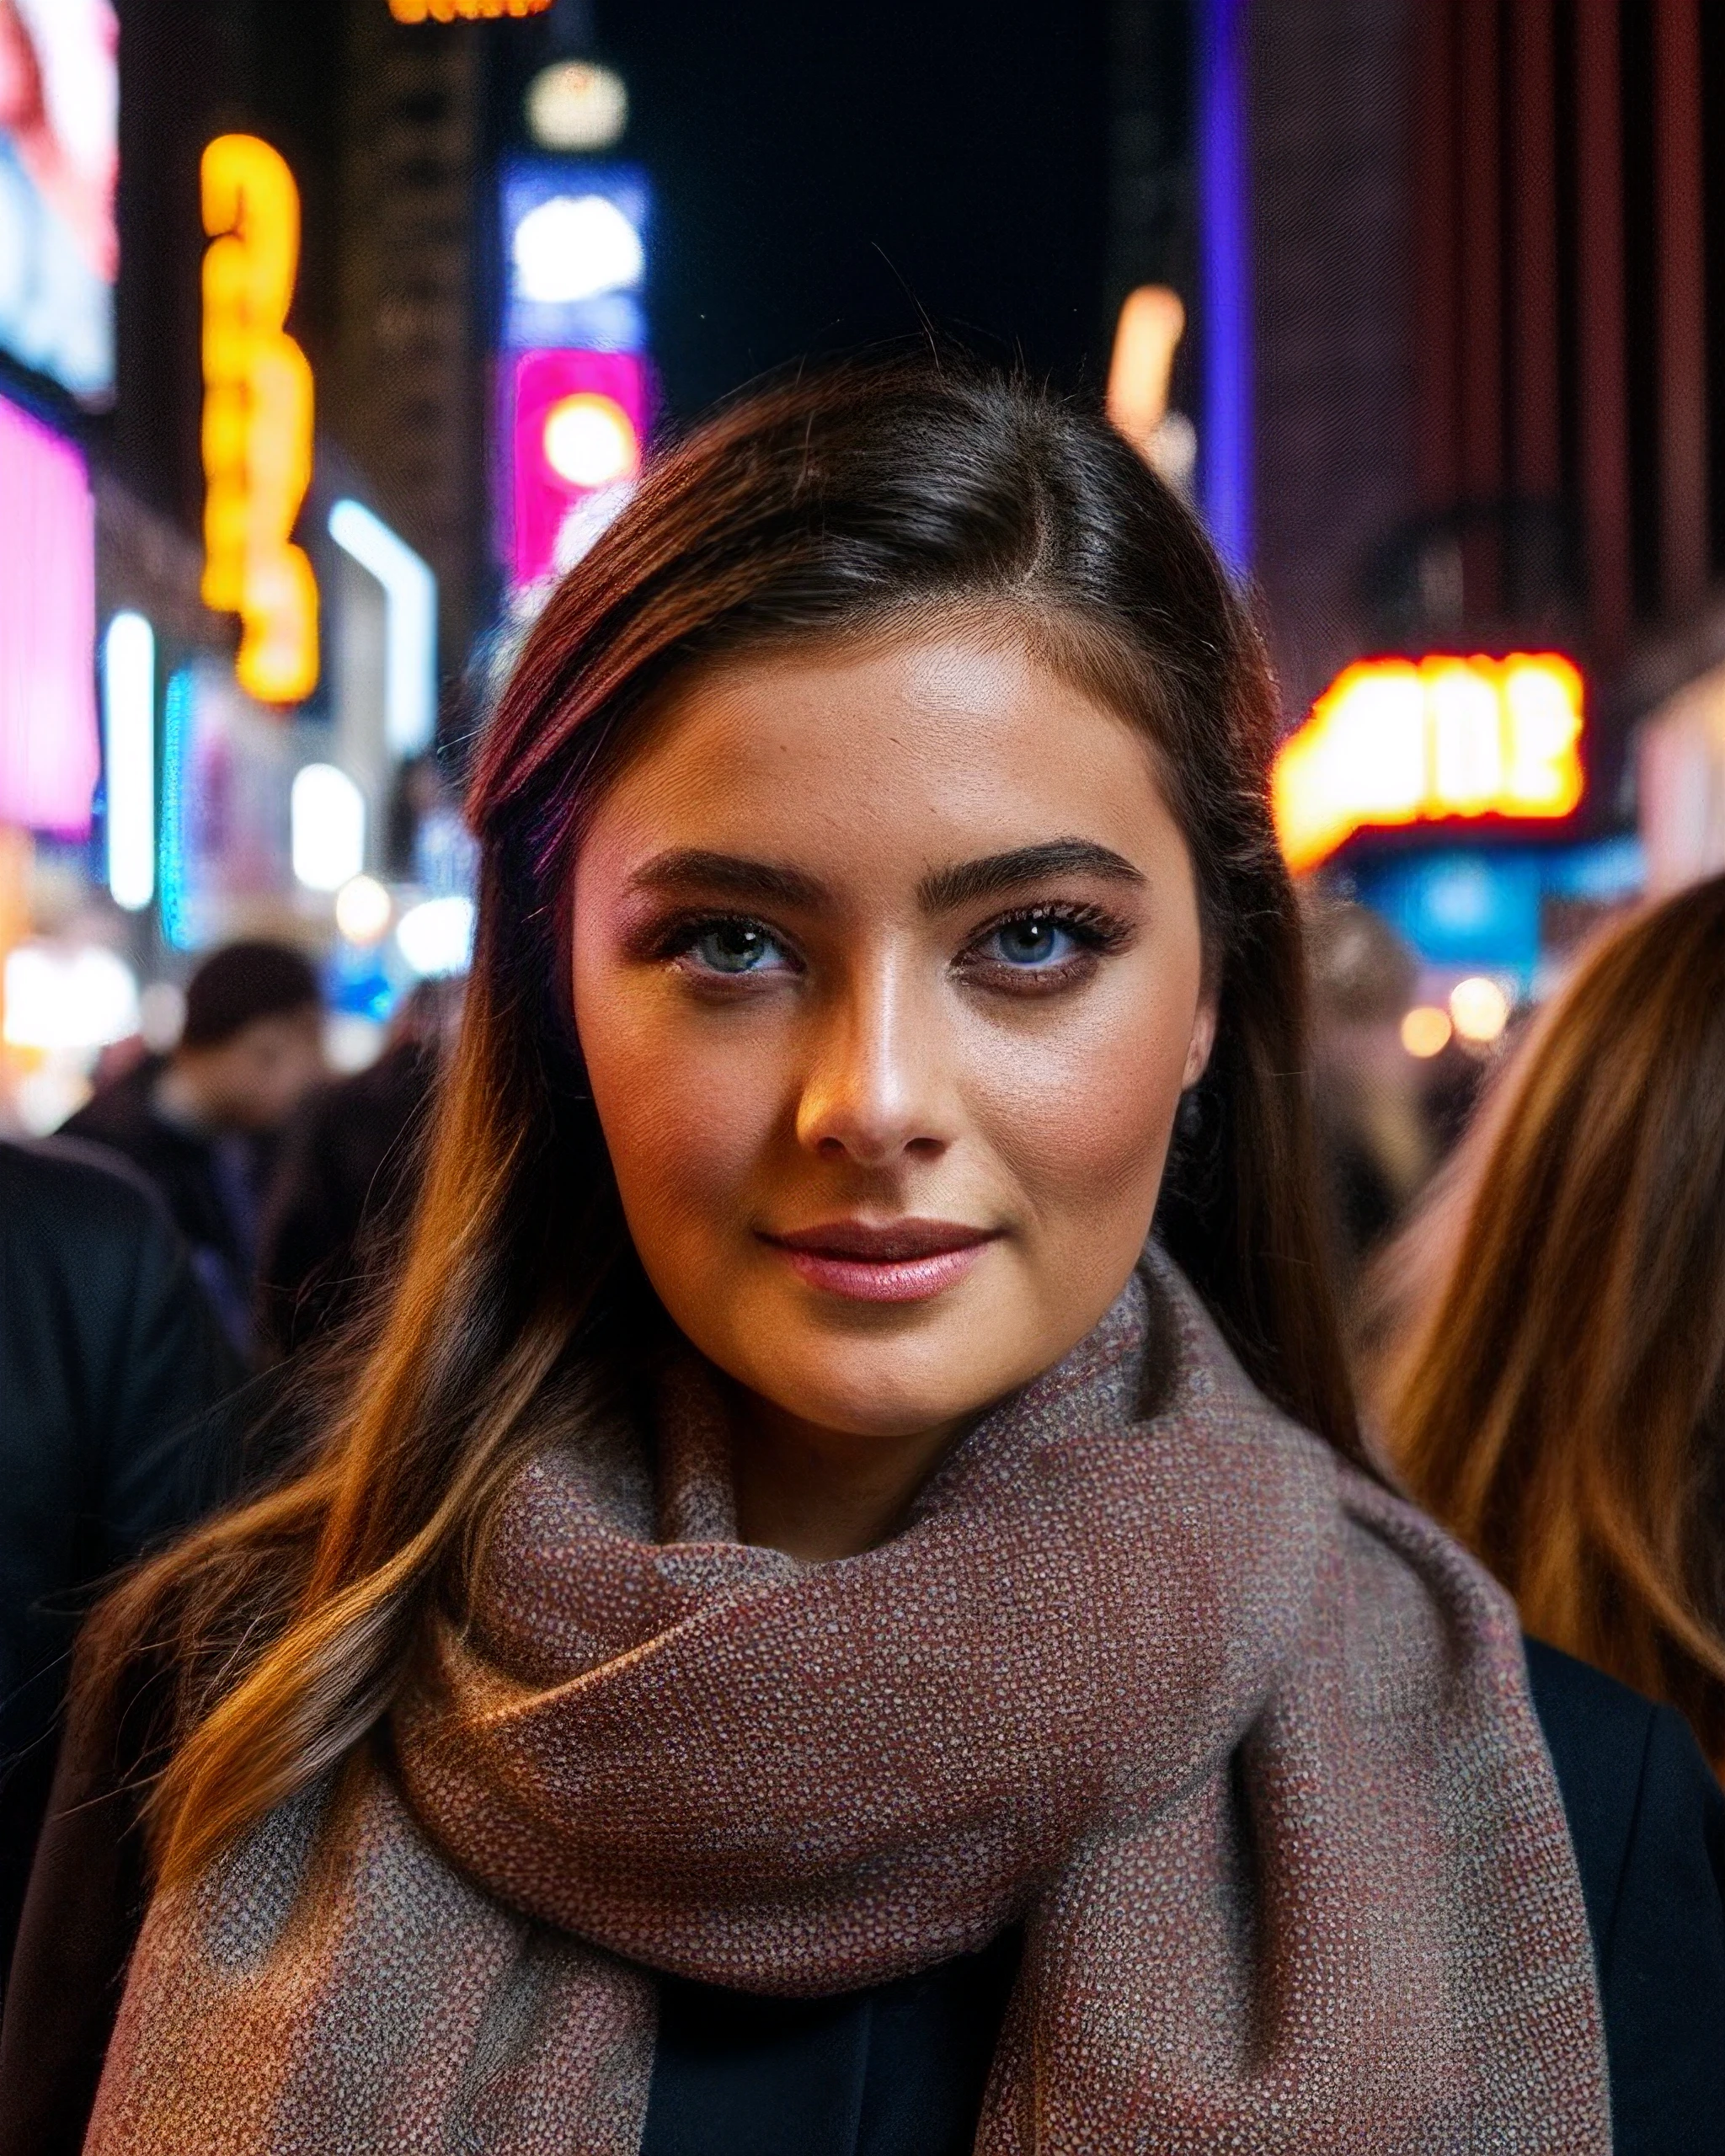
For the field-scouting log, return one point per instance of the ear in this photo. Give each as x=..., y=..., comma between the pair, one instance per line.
x=1203, y=1040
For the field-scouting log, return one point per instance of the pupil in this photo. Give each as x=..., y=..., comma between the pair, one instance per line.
x=1028, y=939
x=735, y=946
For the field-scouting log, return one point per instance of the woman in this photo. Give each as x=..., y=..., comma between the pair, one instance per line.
x=807, y=1630
x=1551, y=1377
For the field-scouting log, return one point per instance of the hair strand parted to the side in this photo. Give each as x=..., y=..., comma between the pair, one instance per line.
x=833, y=505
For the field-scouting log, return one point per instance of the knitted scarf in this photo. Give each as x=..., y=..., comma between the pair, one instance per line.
x=1242, y=1741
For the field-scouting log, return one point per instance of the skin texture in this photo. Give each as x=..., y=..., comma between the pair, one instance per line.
x=858, y=1039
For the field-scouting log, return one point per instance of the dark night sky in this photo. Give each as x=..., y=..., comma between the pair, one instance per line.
x=828, y=173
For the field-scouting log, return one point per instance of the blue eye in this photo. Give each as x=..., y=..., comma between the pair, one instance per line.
x=735, y=947
x=1032, y=942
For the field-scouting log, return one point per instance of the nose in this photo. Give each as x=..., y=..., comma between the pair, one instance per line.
x=877, y=1087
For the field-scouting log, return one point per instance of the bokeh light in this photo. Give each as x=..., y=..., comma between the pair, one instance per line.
x=328, y=813
x=575, y=246
x=363, y=909
x=1479, y=1008
x=574, y=104
x=436, y=937
x=60, y=998
x=1426, y=1031
x=590, y=442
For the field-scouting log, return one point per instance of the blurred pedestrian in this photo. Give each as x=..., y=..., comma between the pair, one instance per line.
x=1373, y=1141
x=1546, y=1343
x=347, y=1177
x=109, y=1355
x=201, y=1121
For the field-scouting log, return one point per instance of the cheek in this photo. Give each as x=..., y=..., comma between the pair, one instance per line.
x=686, y=1106
x=1081, y=1117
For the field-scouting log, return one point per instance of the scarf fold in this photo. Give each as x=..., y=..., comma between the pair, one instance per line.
x=1243, y=1741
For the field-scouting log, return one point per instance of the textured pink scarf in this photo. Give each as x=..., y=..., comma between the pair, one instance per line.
x=1243, y=1741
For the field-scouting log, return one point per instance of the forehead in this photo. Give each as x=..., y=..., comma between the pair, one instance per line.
x=928, y=745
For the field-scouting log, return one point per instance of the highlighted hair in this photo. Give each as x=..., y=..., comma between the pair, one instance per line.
x=827, y=507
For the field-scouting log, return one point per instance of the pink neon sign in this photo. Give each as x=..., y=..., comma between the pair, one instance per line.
x=49, y=756
x=579, y=422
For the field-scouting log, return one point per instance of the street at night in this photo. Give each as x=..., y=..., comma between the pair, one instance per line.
x=861, y=1077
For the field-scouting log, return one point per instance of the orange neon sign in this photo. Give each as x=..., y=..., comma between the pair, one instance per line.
x=257, y=432
x=1405, y=741
x=1152, y=321
x=463, y=11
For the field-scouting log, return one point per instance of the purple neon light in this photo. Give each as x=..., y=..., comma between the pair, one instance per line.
x=49, y=755
x=1226, y=451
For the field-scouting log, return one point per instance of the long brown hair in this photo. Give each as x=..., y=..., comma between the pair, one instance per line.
x=1552, y=1374
x=821, y=507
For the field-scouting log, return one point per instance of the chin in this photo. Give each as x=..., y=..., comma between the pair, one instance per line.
x=882, y=1389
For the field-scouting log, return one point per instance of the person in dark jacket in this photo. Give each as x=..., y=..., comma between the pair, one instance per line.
x=346, y=1177
x=109, y=1355
x=200, y=1122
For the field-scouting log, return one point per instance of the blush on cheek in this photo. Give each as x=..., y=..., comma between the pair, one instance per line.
x=682, y=1135
x=1086, y=1131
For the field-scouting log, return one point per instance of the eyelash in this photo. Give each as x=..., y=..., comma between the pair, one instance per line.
x=677, y=938
x=1098, y=931
x=1092, y=925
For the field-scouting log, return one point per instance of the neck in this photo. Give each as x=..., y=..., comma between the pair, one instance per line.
x=818, y=1494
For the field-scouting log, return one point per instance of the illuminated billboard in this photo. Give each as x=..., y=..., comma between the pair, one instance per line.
x=59, y=251
x=574, y=236
x=576, y=393
x=1399, y=741
x=257, y=419
x=49, y=756
x=463, y=11
x=577, y=424
x=224, y=834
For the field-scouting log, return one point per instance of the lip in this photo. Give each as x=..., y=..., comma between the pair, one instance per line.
x=906, y=1260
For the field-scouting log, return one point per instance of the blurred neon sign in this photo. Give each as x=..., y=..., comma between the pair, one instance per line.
x=128, y=730
x=463, y=11
x=574, y=244
x=1399, y=741
x=49, y=755
x=410, y=619
x=579, y=424
x=59, y=246
x=257, y=432
x=1152, y=321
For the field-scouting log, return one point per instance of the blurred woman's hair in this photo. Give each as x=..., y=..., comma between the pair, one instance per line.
x=1546, y=1342
x=859, y=503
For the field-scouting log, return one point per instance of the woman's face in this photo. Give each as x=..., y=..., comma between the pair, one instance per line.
x=887, y=979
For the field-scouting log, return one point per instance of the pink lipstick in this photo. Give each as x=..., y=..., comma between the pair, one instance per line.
x=900, y=1262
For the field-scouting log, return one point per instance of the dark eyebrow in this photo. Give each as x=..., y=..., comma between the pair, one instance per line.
x=967, y=881
x=734, y=874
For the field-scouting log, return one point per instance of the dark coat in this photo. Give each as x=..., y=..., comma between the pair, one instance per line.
x=900, y=2070
x=211, y=1187
x=109, y=1355
x=348, y=1171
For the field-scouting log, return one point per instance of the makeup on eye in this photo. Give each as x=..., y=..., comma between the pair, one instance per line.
x=722, y=943
x=731, y=945
x=1044, y=944
x=1047, y=943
